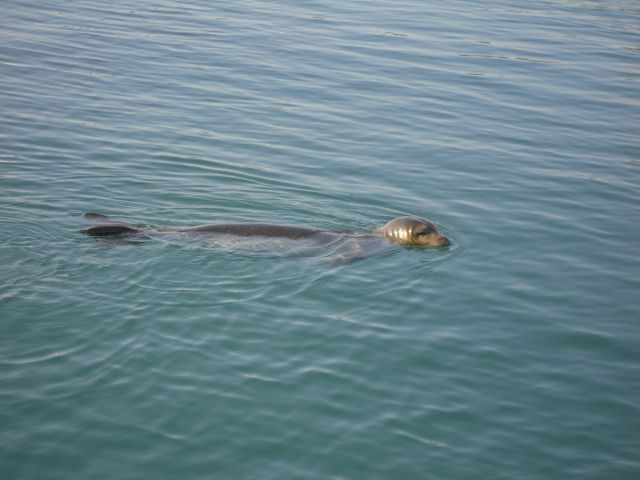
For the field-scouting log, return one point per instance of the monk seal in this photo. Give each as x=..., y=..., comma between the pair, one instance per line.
x=404, y=231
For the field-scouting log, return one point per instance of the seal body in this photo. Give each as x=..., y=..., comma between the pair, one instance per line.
x=254, y=229
x=405, y=231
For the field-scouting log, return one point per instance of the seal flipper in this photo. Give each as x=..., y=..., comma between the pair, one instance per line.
x=96, y=217
x=103, y=219
x=113, y=229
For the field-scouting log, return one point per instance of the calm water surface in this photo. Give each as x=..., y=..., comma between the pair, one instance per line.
x=512, y=355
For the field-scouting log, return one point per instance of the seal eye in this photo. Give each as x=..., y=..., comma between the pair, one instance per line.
x=419, y=234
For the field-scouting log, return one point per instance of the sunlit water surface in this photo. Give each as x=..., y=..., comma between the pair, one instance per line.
x=513, y=354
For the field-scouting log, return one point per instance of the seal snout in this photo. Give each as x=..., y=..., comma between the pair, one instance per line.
x=440, y=241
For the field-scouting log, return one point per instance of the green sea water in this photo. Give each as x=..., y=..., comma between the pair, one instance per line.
x=513, y=354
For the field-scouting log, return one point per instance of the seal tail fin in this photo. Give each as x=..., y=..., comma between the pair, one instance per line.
x=110, y=229
x=101, y=219
x=96, y=217
x=108, y=226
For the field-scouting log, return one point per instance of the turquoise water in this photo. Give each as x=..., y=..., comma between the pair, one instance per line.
x=514, y=354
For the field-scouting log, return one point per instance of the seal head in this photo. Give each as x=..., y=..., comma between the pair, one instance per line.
x=413, y=231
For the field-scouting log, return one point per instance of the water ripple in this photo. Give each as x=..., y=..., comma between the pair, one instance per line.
x=511, y=353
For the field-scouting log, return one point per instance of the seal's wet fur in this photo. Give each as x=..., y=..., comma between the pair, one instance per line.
x=413, y=231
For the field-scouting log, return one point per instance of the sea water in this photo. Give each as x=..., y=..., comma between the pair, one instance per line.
x=513, y=354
